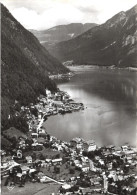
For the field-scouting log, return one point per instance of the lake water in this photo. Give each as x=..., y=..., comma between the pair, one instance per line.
x=109, y=117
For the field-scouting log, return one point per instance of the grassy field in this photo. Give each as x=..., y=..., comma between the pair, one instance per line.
x=64, y=173
x=31, y=189
x=13, y=132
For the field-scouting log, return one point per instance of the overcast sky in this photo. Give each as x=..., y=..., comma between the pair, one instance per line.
x=43, y=14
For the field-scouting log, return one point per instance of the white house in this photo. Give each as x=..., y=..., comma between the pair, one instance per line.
x=84, y=159
x=29, y=159
x=92, y=168
x=57, y=161
x=124, y=148
x=48, y=93
x=19, y=153
x=91, y=146
x=85, y=168
x=34, y=135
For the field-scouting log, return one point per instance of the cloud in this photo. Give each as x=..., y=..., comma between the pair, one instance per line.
x=28, y=18
x=43, y=14
x=49, y=18
x=90, y=10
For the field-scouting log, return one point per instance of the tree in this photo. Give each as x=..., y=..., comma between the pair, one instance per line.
x=85, y=153
x=34, y=156
x=34, y=111
x=14, y=142
x=91, y=155
x=71, y=170
x=56, y=169
x=126, y=169
x=42, y=157
x=19, y=122
x=48, y=137
x=98, y=152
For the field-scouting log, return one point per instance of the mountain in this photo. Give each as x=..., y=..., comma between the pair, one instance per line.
x=25, y=65
x=61, y=33
x=112, y=43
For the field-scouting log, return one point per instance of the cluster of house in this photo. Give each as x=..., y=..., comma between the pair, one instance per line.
x=61, y=76
x=109, y=169
x=101, y=169
x=114, y=167
x=54, y=103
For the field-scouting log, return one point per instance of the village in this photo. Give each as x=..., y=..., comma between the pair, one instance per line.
x=77, y=167
x=61, y=76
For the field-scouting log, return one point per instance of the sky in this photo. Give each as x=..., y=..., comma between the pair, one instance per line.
x=44, y=14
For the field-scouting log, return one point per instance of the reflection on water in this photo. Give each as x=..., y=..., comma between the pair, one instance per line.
x=109, y=118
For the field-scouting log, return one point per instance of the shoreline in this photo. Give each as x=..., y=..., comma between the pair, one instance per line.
x=112, y=67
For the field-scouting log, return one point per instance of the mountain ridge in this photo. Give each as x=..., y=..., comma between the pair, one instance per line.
x=112, y=43
x=61, y=32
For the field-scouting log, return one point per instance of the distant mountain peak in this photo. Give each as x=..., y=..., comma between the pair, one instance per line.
x=61, y=33
x=113, y=42
x=134, y=8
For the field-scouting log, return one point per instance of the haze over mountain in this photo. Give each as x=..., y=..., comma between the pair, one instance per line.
x=61, y=33
x=112, y=43
x=25, y=65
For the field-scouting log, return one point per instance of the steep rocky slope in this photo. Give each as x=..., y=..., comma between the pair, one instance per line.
x=113, y=42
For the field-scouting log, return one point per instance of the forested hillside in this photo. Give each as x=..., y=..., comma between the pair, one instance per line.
x=25, y=65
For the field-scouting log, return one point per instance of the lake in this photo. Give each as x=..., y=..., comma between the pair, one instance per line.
x=109, y=97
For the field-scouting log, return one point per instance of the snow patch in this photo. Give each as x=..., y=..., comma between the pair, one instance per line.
x=121, y=17
x=125, y=22
x=43, y=41
x=71, y=34
x=131, y=51
x=109, y=45
x=129, y=40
